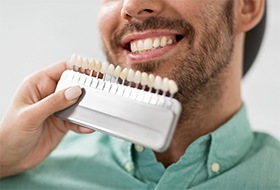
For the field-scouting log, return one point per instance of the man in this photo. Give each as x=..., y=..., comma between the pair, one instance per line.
x=213, y=146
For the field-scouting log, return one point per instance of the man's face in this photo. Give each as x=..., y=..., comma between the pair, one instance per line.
x=190, y=41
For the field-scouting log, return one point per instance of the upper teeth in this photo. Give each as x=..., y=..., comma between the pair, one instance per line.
x=140, y=46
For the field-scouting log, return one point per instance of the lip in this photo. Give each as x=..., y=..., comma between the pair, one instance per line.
x=149, y=55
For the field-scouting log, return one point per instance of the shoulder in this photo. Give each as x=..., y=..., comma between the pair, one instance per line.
x=261, y=165
x=265, y=151
x=265, y=142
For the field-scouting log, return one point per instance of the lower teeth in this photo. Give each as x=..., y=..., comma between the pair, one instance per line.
x=144, y=51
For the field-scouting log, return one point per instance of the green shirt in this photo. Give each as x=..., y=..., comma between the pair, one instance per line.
x=232, y=157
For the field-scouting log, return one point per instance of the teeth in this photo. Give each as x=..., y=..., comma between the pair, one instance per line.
x=156, y=43
x=170, y=41
x=163, y=42
x=130, y=75
x=139, y=46
x=156, y=82
x=133, y=47
x=148, y=44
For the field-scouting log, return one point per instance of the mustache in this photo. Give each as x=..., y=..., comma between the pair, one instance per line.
x=154, y=23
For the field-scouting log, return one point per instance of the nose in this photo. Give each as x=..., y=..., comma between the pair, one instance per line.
x=141, y=9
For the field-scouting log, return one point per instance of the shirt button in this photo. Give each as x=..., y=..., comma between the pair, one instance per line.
x=139, y=148
x=128, y=167
x=215, y=167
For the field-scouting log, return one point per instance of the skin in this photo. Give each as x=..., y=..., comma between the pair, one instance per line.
x=209, y=80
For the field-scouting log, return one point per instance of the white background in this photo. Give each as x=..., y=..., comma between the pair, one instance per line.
x=36, y=33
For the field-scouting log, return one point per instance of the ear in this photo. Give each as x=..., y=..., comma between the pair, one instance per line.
x=249, y=14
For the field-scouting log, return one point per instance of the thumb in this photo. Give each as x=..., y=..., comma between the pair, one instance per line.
x=56, y=102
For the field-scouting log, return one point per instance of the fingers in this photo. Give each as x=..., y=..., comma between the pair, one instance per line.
x=56, y=102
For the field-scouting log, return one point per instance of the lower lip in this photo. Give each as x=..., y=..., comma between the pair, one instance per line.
x=150, y=55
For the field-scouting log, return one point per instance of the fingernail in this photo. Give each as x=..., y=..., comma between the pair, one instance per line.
x=85, y=130
x=73, y=92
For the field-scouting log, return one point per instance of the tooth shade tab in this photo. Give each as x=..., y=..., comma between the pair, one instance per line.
x=98, y=66
x=85, y=63
x=144, y=79
x=111, y=69
x=137, y=77
x=173, y=88
x=165, y=86
x=158, y=83
x=130, y=75
x=104, y=68
x=78, y=62
x=117, y=71
x=92, y=64
x=73, y=59
x=151, y=80
x=124, y=73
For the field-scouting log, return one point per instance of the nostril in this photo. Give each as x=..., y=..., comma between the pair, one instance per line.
x=132, y=9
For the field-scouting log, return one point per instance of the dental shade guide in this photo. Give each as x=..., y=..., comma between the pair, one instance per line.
x=122, y=110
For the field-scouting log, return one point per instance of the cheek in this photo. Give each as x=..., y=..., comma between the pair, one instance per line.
x=108, y=19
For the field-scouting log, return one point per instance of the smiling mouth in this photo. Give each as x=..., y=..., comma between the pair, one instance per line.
x=140, y=46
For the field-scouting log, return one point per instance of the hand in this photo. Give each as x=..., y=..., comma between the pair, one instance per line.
x=29, y=131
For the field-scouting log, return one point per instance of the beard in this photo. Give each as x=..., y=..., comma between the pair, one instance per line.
x=206, y=53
